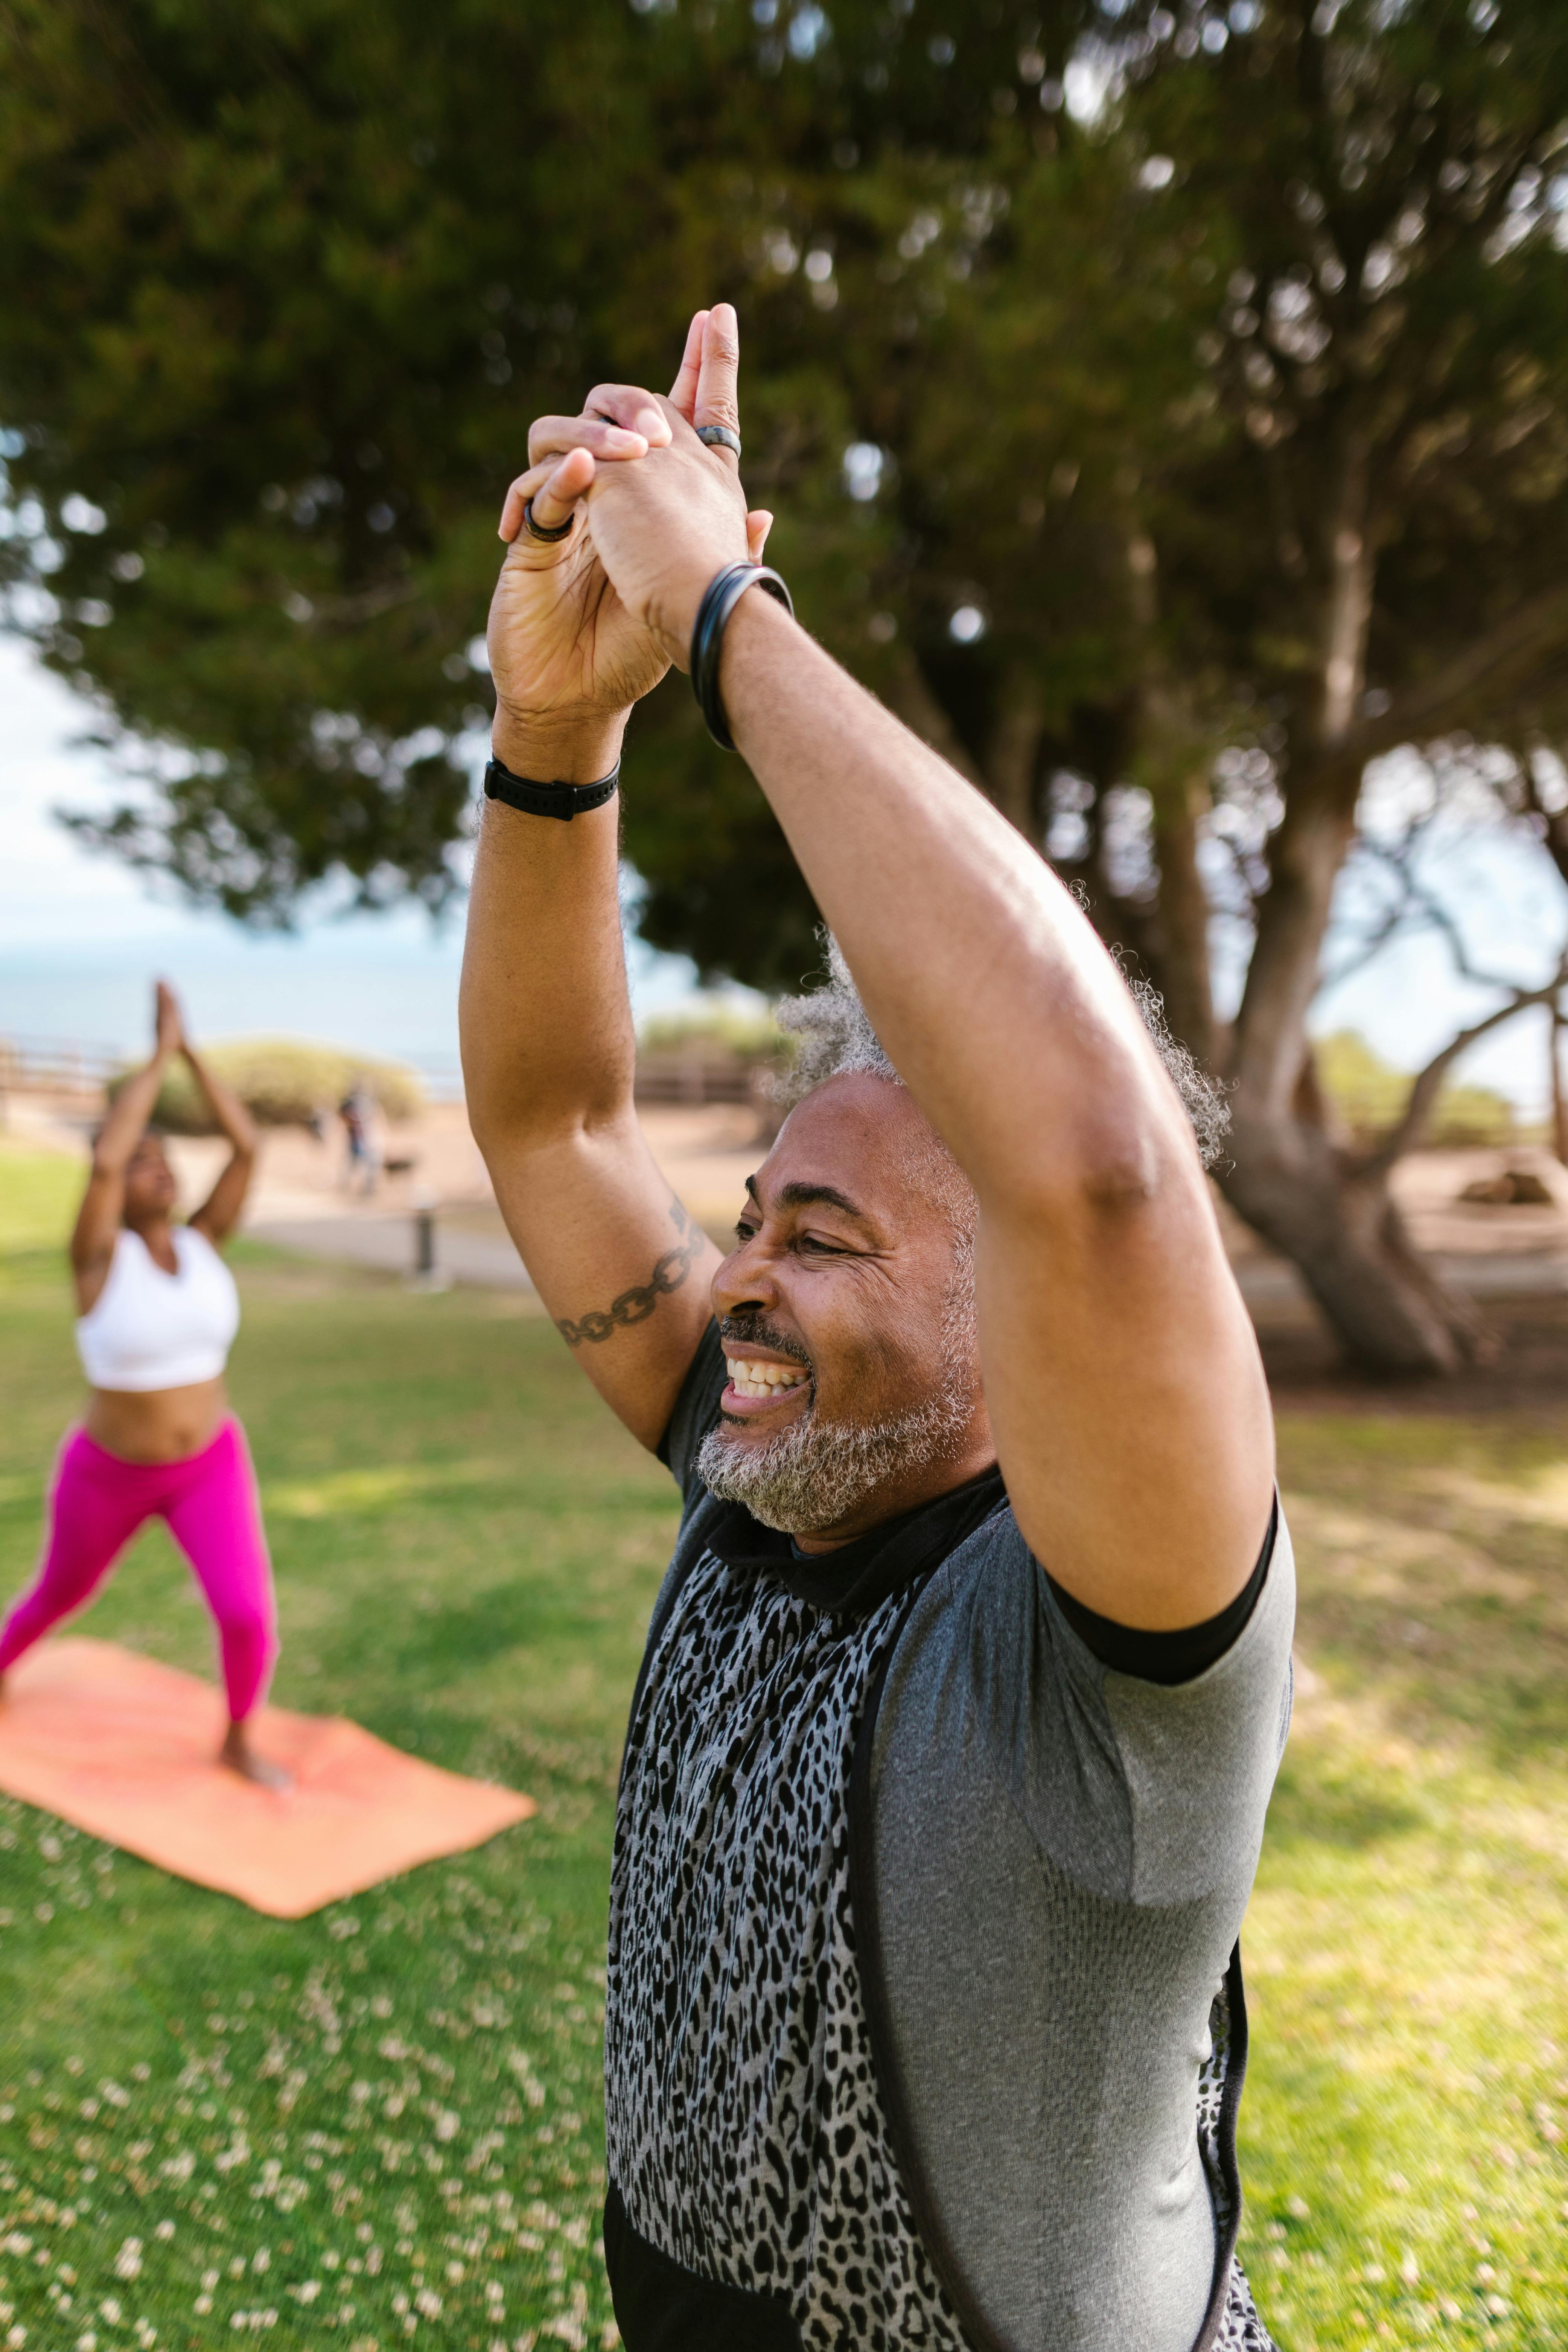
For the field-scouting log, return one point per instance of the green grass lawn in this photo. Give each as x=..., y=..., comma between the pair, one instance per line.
x=384, y=2123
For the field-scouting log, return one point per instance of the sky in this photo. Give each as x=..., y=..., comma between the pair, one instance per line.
x=83, y=937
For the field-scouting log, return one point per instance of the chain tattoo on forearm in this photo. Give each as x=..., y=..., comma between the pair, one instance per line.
x=634, y=1306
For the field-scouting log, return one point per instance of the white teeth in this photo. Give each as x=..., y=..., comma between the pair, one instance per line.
x=750, y=1379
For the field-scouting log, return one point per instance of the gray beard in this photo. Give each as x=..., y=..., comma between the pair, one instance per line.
x=816, y=1474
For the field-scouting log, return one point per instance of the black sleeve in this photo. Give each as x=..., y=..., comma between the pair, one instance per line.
x=696, y=1411
x=1174, y=1657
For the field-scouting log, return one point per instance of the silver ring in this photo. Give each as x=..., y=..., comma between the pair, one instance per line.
x=719, y=436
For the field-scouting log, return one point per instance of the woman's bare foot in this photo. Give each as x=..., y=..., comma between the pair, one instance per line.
x=237, y=1753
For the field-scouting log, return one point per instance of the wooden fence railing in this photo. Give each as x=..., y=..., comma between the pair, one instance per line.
x=63, y=1066
x=69, y=1066
x=676, y=1078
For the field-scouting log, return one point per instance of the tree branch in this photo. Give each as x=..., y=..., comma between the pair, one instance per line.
x=1402, y=1137
x=1508, y=654
x=1554, y=822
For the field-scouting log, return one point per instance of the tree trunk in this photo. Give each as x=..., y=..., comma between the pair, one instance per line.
x=1330, y=1212
x=1559, y=1098
x=1180, y=793
x=1186, y=978
x=908, y=695
x=1013, y=750
x=1341, y=1228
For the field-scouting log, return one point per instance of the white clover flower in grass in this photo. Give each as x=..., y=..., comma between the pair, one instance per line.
x=128, y=2261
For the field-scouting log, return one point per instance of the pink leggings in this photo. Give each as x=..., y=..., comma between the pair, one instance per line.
x=209, y=1503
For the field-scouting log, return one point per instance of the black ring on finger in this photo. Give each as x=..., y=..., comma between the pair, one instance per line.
x=719, y=436
x=538, y=531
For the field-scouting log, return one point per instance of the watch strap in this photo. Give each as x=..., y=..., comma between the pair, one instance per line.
x=536, y=799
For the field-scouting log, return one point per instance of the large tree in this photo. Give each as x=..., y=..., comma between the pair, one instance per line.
x=1315, y=452
x=1205, y=437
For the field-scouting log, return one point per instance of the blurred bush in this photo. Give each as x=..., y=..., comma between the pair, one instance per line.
x=1370, y=1094
x=711, y=1051
x=283, y=1082
x=714, y=1029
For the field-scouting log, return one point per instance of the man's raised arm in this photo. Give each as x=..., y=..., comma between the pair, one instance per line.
x=545, y=1019
x=1120, y=1369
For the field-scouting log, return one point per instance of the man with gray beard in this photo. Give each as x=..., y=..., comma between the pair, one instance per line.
x=947, y=1764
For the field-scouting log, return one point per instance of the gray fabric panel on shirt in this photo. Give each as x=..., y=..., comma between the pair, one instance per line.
x=1048, y=2020
x=1200, y=1759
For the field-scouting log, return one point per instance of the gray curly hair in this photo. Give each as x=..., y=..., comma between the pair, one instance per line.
x=833, y=1039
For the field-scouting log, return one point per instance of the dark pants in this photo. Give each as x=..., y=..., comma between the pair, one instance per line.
x=660, y=2307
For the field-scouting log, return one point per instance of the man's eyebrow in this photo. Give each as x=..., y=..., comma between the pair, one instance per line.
x=800, y=1195
x=824, y=1196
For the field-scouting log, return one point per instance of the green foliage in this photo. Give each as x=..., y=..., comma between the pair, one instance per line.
x=274, y=302
x=283, y=1082
x=1370, y=1095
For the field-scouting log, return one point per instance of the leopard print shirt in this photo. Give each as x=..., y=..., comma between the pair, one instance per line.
x=745, y=2133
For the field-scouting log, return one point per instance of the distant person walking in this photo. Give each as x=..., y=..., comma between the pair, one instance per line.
x=360, y=1115
x=158, y=1315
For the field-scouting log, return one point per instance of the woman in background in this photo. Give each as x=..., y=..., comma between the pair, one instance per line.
x=158, y=1313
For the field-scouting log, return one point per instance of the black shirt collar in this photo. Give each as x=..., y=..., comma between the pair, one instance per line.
x=853, y=1581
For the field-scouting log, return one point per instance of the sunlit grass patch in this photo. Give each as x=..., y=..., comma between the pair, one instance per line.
x=39, y=1195
x=378, y=1489
x=1404, y=2132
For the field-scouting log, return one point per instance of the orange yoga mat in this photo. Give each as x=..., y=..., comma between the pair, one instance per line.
x=124, y=1748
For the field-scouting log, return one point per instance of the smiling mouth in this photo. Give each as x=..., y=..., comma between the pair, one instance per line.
x=764, y=1383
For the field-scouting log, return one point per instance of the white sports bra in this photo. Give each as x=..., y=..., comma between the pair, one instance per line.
x=149, y=1330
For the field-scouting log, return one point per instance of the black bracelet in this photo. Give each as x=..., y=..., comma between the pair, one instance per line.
x=565, y=801
x=723, y=592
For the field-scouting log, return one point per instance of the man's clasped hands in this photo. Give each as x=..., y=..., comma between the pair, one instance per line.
x=584, y=626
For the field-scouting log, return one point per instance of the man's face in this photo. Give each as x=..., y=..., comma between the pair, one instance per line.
x=847, y=1324
x=150, y=1188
